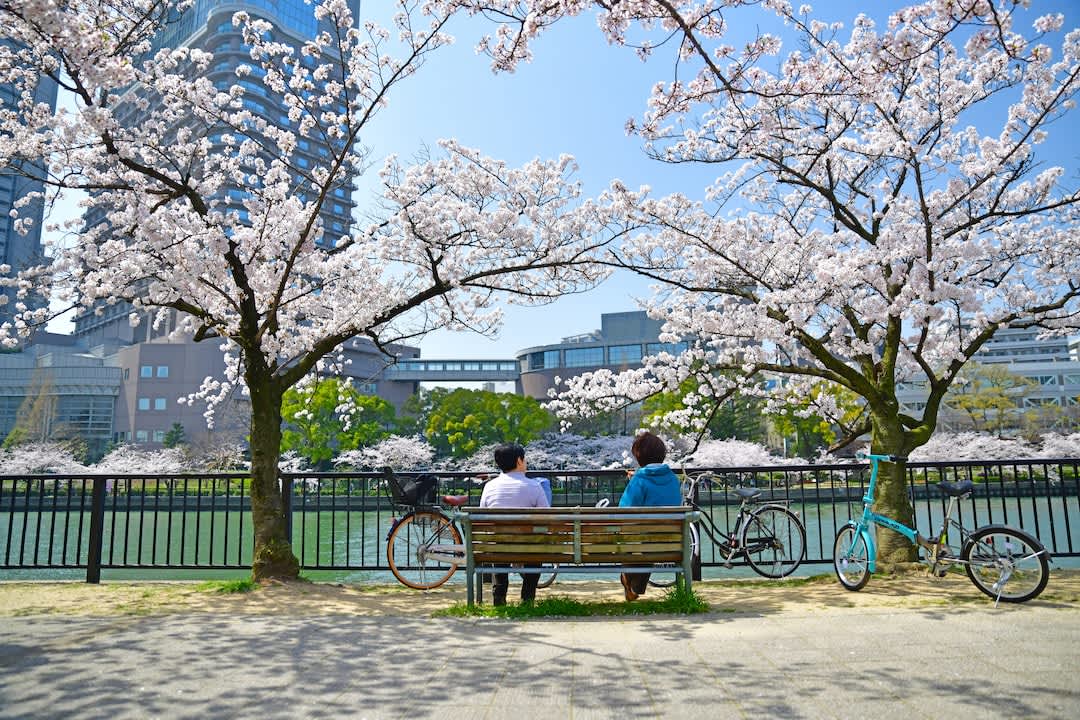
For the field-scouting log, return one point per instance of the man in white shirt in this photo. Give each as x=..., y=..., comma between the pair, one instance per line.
x=513, y=489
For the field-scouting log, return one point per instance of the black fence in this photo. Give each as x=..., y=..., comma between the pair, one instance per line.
x=340, y=520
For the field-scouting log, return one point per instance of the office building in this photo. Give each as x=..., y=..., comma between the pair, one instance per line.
x=1051, y=365
x=21, y=250
x=55, y=390
x=622, y=341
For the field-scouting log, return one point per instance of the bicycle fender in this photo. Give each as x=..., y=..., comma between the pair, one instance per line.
x=871, y=543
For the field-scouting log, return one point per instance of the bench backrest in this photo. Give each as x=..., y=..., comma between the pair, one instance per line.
x=576, y=535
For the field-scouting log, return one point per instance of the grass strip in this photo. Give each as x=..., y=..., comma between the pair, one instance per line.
x=677, y=601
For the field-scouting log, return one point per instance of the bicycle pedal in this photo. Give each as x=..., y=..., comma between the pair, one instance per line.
x=728, y=565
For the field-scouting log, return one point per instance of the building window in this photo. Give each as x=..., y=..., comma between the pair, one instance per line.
x=146, y=371
x=624, y=354
x=159, y=403
x=671, y=348
x=159, y=436
x=1047, y=379
x=584, y=357
x=163, y=371
x=544, y=359
x=141, y=436
x=127, y=373
x=144, y=403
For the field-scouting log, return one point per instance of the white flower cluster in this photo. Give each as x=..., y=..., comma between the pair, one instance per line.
x=400, y=453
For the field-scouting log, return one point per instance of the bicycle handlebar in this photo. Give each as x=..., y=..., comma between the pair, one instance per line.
x=880, y=458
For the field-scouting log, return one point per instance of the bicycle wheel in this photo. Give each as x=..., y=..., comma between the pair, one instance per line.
x=408, y=545
x=851, y=558
x=774, y=541
x=667, y=579
x=546, y=578
x=1006, y=563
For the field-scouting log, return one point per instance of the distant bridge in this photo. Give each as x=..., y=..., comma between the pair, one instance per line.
x=453, y=370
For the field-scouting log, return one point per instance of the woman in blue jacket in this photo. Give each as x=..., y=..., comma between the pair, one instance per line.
x=654, y=484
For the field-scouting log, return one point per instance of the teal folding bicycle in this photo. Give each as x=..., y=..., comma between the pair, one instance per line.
x=1005, y=563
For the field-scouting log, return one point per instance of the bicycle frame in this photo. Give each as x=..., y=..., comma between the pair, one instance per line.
x=729, y=546
x=871, y=518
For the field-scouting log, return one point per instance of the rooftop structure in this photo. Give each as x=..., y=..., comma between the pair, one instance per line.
x=622, y=341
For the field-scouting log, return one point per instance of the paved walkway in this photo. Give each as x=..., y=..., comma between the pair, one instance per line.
x=898, y=649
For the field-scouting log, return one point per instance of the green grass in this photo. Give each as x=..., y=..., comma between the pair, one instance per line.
x=677, y=601
x=227, y=587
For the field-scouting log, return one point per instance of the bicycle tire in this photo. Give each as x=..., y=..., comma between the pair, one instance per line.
x=773, y=541
x=410, y=536
x=851, y=559
x=998, y=558
x=547, y=578
x=668, y=579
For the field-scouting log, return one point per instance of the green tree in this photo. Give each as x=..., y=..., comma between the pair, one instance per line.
x=990, y=397
x=33, y=419
x=174, y=436
x=738, y=419
x=812, y=426
x=462, y=421
x=316, y=430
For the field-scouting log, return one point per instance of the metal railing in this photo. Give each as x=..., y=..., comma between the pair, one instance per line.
x=339, y=521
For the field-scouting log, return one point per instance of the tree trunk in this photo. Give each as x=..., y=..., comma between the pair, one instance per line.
x=891, y=498
x=274, y=557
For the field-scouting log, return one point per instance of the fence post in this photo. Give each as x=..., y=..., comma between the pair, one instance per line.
x=286, y=505
x=97, y=531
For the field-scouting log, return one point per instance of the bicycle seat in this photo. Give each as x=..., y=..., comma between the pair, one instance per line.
x=748, y=493
x=956, y=489
x=455, y=500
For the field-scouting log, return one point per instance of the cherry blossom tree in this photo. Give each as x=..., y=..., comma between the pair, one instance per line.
x=130, y=459
x=39, y=457
x=396, y=451
x=883, y=204
x=163, y=155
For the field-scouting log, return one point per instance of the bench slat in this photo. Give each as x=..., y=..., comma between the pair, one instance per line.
x=607, y=538
x=585, y=549
x=568, y=559
x=568, y=528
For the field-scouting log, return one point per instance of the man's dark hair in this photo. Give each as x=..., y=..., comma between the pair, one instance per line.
x=506, y=456
x=648, y=449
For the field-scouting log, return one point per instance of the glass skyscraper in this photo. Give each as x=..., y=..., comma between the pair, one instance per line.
x=207, y=25
x=21, y=250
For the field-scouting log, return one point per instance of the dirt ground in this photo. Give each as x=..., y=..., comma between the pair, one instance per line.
x=912, y=590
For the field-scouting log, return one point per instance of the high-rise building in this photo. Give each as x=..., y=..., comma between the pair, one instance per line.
x=207, y=25
x=21, y=250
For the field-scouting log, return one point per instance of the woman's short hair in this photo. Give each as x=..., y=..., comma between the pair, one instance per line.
x=648, y=448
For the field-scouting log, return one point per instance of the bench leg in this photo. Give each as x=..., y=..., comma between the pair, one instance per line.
x=469, y=584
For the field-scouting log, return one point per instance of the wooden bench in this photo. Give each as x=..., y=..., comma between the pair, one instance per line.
x=579, y=540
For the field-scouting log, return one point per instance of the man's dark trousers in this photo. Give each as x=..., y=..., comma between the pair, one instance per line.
x=501, y=583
